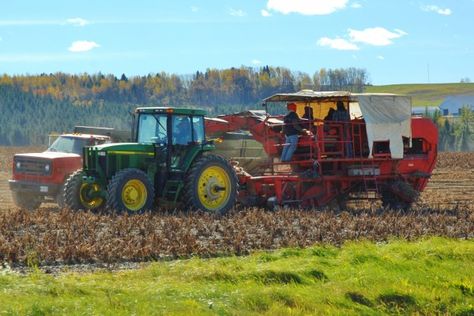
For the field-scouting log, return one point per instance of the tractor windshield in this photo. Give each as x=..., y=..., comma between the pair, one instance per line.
x=69, y=144
x=152, y=129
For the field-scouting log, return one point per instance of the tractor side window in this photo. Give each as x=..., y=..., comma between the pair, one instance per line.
x=198, y=125
x=182, y=134
x=152, y=129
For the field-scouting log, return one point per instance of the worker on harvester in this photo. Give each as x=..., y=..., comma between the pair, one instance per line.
x=342, y=115
x=291, y=128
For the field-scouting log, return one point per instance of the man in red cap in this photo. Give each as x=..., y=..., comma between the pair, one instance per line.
x=291, y=129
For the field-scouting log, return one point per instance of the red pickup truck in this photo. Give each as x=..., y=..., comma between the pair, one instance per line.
x=39, y=177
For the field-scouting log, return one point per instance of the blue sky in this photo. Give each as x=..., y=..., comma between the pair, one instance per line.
x=396, y=41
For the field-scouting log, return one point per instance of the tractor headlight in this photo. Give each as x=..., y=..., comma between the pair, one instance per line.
x=101, y=153
x=18, y=165
x=47, y=167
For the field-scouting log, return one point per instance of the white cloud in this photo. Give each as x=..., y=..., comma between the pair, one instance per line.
x=337, y=43
x=77, y=21
x=265, y=13
x=356, y=5
x=307, y=7
x=82, y=46
x=256, y=61
x=376, y=36
x=435, y=8
x=238, y=13
x=380, y=57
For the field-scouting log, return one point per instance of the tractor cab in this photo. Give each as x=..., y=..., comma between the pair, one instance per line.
x=163, y=126
x=176, y=134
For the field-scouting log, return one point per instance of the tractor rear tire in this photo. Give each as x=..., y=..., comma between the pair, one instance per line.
x=27, y=201
x=130, y=190
x=211, y=185
x=76, y=193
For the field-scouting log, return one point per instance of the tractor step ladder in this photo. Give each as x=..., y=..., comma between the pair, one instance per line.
x=172, y=190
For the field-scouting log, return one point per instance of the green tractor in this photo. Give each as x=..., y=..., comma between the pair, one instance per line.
x=170, y=165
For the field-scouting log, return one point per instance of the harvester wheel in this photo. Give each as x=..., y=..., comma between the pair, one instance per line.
x=211, y=185
x=130, y=191
x=398, y=195
x=78, y=195
x=28, y=201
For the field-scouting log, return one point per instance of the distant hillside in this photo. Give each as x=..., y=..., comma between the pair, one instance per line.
x=426, y=94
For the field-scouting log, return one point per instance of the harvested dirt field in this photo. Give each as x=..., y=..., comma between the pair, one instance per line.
x=53, y=236
x=49, y=236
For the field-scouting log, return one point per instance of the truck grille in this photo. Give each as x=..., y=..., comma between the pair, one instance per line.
x=32, y=166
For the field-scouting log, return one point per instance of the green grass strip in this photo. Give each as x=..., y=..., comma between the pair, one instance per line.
x=430, y=276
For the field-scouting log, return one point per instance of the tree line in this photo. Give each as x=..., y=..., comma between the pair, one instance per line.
x=213, y=87
x=455, y=133
x=35, y=105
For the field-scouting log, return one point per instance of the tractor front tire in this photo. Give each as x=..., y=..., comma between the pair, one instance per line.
x=211, y=185
x=130, y=190
x=27, y=201
x=77, y=193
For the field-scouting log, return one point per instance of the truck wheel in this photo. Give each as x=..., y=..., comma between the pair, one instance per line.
x=78, y=194
x=130, y=191
x=211, y=185
x=28, y=201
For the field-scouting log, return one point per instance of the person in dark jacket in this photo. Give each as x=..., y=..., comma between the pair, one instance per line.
x=342, y=115
x=291, y=129
x=308, y=113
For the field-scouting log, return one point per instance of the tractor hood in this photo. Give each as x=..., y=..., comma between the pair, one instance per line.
x=124, y=148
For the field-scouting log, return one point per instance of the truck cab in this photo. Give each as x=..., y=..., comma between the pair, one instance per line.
x=40, y=177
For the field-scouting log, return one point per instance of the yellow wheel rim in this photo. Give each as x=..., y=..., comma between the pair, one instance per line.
x=85, y=196
x=214, y=188
x=134, y=195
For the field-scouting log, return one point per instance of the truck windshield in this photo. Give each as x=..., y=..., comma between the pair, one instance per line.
x=152, y=129
x=67, y=144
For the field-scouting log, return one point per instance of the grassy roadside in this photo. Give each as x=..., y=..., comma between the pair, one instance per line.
x=431, y=276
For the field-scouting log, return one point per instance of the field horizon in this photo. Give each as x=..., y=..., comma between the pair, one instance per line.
x=426, y=94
